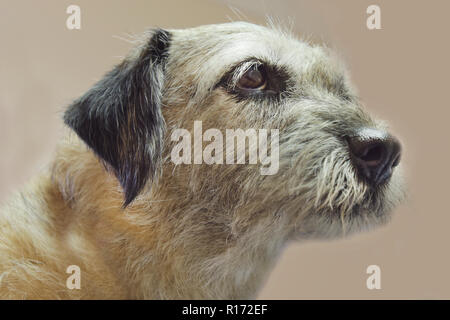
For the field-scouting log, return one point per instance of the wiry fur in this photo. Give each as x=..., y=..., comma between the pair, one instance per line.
x=197, y=231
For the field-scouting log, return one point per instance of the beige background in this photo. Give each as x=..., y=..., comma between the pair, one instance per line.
x=401, y=72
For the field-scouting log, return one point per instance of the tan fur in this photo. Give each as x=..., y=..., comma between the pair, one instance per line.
x=73, y=216
x=198, y=231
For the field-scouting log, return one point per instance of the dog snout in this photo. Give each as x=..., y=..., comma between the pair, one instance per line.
x=375, y=154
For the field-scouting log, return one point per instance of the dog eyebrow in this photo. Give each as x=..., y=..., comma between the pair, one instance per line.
x=332, y=81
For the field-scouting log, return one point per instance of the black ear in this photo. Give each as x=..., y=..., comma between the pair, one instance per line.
x=120, y=117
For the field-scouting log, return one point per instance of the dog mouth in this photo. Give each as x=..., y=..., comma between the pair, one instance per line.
x=332, y=222
x=355, y=198
x=347, y=184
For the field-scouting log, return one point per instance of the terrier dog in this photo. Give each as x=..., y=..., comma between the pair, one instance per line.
x=138, y=225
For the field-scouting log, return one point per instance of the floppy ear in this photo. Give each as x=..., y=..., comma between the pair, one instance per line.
x=120, y=118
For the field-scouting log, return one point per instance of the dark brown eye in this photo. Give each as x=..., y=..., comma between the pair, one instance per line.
x=252, y=79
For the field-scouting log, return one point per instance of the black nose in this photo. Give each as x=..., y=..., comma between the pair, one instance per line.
x=374, y=153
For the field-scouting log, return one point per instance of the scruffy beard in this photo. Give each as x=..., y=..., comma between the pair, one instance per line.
x=373, y=210
x=332, y=201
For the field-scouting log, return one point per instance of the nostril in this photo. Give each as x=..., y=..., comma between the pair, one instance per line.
x=372, y=155
x=369, y=151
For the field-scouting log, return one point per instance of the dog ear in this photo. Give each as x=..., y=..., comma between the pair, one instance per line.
x=120, y=117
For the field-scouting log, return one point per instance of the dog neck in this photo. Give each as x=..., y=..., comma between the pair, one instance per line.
x=162, y=246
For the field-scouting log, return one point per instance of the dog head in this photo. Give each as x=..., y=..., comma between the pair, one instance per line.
x=323, y=165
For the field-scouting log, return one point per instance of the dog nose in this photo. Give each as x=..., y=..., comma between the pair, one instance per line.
x=375, y=154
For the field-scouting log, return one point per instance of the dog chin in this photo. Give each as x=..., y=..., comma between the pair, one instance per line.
x=331, y=224
x=337, y=230
x=375, y=215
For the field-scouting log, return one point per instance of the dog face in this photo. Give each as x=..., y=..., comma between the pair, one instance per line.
x=335, y=164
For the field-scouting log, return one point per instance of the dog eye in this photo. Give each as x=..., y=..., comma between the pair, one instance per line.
x=253, y=79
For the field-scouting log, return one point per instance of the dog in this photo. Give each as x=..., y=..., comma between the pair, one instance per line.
x=138, y=225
